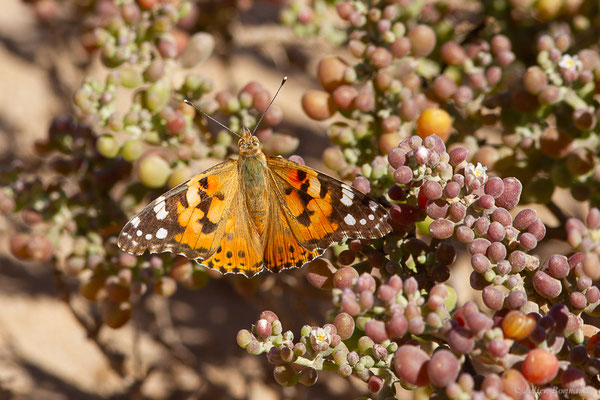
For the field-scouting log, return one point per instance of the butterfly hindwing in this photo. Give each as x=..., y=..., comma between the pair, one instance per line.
x=282, y=249
x=240, y=249
x=321, y=210
x=188, y=219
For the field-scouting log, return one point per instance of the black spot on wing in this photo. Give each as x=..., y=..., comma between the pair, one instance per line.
x=183, y=200
x=301, y=175
x=208, y=226
x=304, y=187
x=204, y=204
x=305, y=198
x=204, y=182
x=324, y=190
x=304, y=218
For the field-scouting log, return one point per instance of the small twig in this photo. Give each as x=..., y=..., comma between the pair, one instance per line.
x=136, y=358
x=557, y=212
x=558, y=233
x=65, y=295
x=166, y=334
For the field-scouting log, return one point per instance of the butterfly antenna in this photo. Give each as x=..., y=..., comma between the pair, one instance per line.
x=189, y=103
x=267, y=109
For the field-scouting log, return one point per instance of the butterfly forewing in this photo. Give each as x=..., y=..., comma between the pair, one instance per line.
x=322, y=210
x=186, y=220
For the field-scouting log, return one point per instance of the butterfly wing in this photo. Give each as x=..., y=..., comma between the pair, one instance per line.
x=281, y=249
x=188, y=219
x=321, y=210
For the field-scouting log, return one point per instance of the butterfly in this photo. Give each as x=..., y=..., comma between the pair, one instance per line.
x=254, y=213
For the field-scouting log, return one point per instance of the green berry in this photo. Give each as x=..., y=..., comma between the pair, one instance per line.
x=132, y=149
x=108, y=146
x=157, y=96
x=131, y=77
x=154, y=171
x=244, y=338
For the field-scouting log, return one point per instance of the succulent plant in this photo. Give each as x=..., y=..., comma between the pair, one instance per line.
x=464, y=119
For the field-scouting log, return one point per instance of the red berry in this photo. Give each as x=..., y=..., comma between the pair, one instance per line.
x=434, y=121
x=517, y=326
x=318, y=105
x=330, y=72
x=540, y=367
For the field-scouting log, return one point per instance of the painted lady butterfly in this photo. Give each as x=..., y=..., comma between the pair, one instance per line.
x=253, y=213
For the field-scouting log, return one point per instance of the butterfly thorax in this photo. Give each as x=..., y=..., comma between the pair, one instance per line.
x=252, y=165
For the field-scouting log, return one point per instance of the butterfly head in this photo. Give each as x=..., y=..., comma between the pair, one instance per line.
x=249, y=144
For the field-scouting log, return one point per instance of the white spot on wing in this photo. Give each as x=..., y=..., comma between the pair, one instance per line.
x=148, y=236
x=349, y=220
x=363, y=221
x=372, y=205
x=161, y=233
x=347, y=190
x=139, y=233
x=159, y=206
x=346, y=200
x=371, y=217
x=347, y=196
x=135, y=222
x=162, y=214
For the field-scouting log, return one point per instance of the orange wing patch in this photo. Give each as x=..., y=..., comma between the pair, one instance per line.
x=201, y=215
x=238, y=249
x=311, y=212
x=282, y=250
